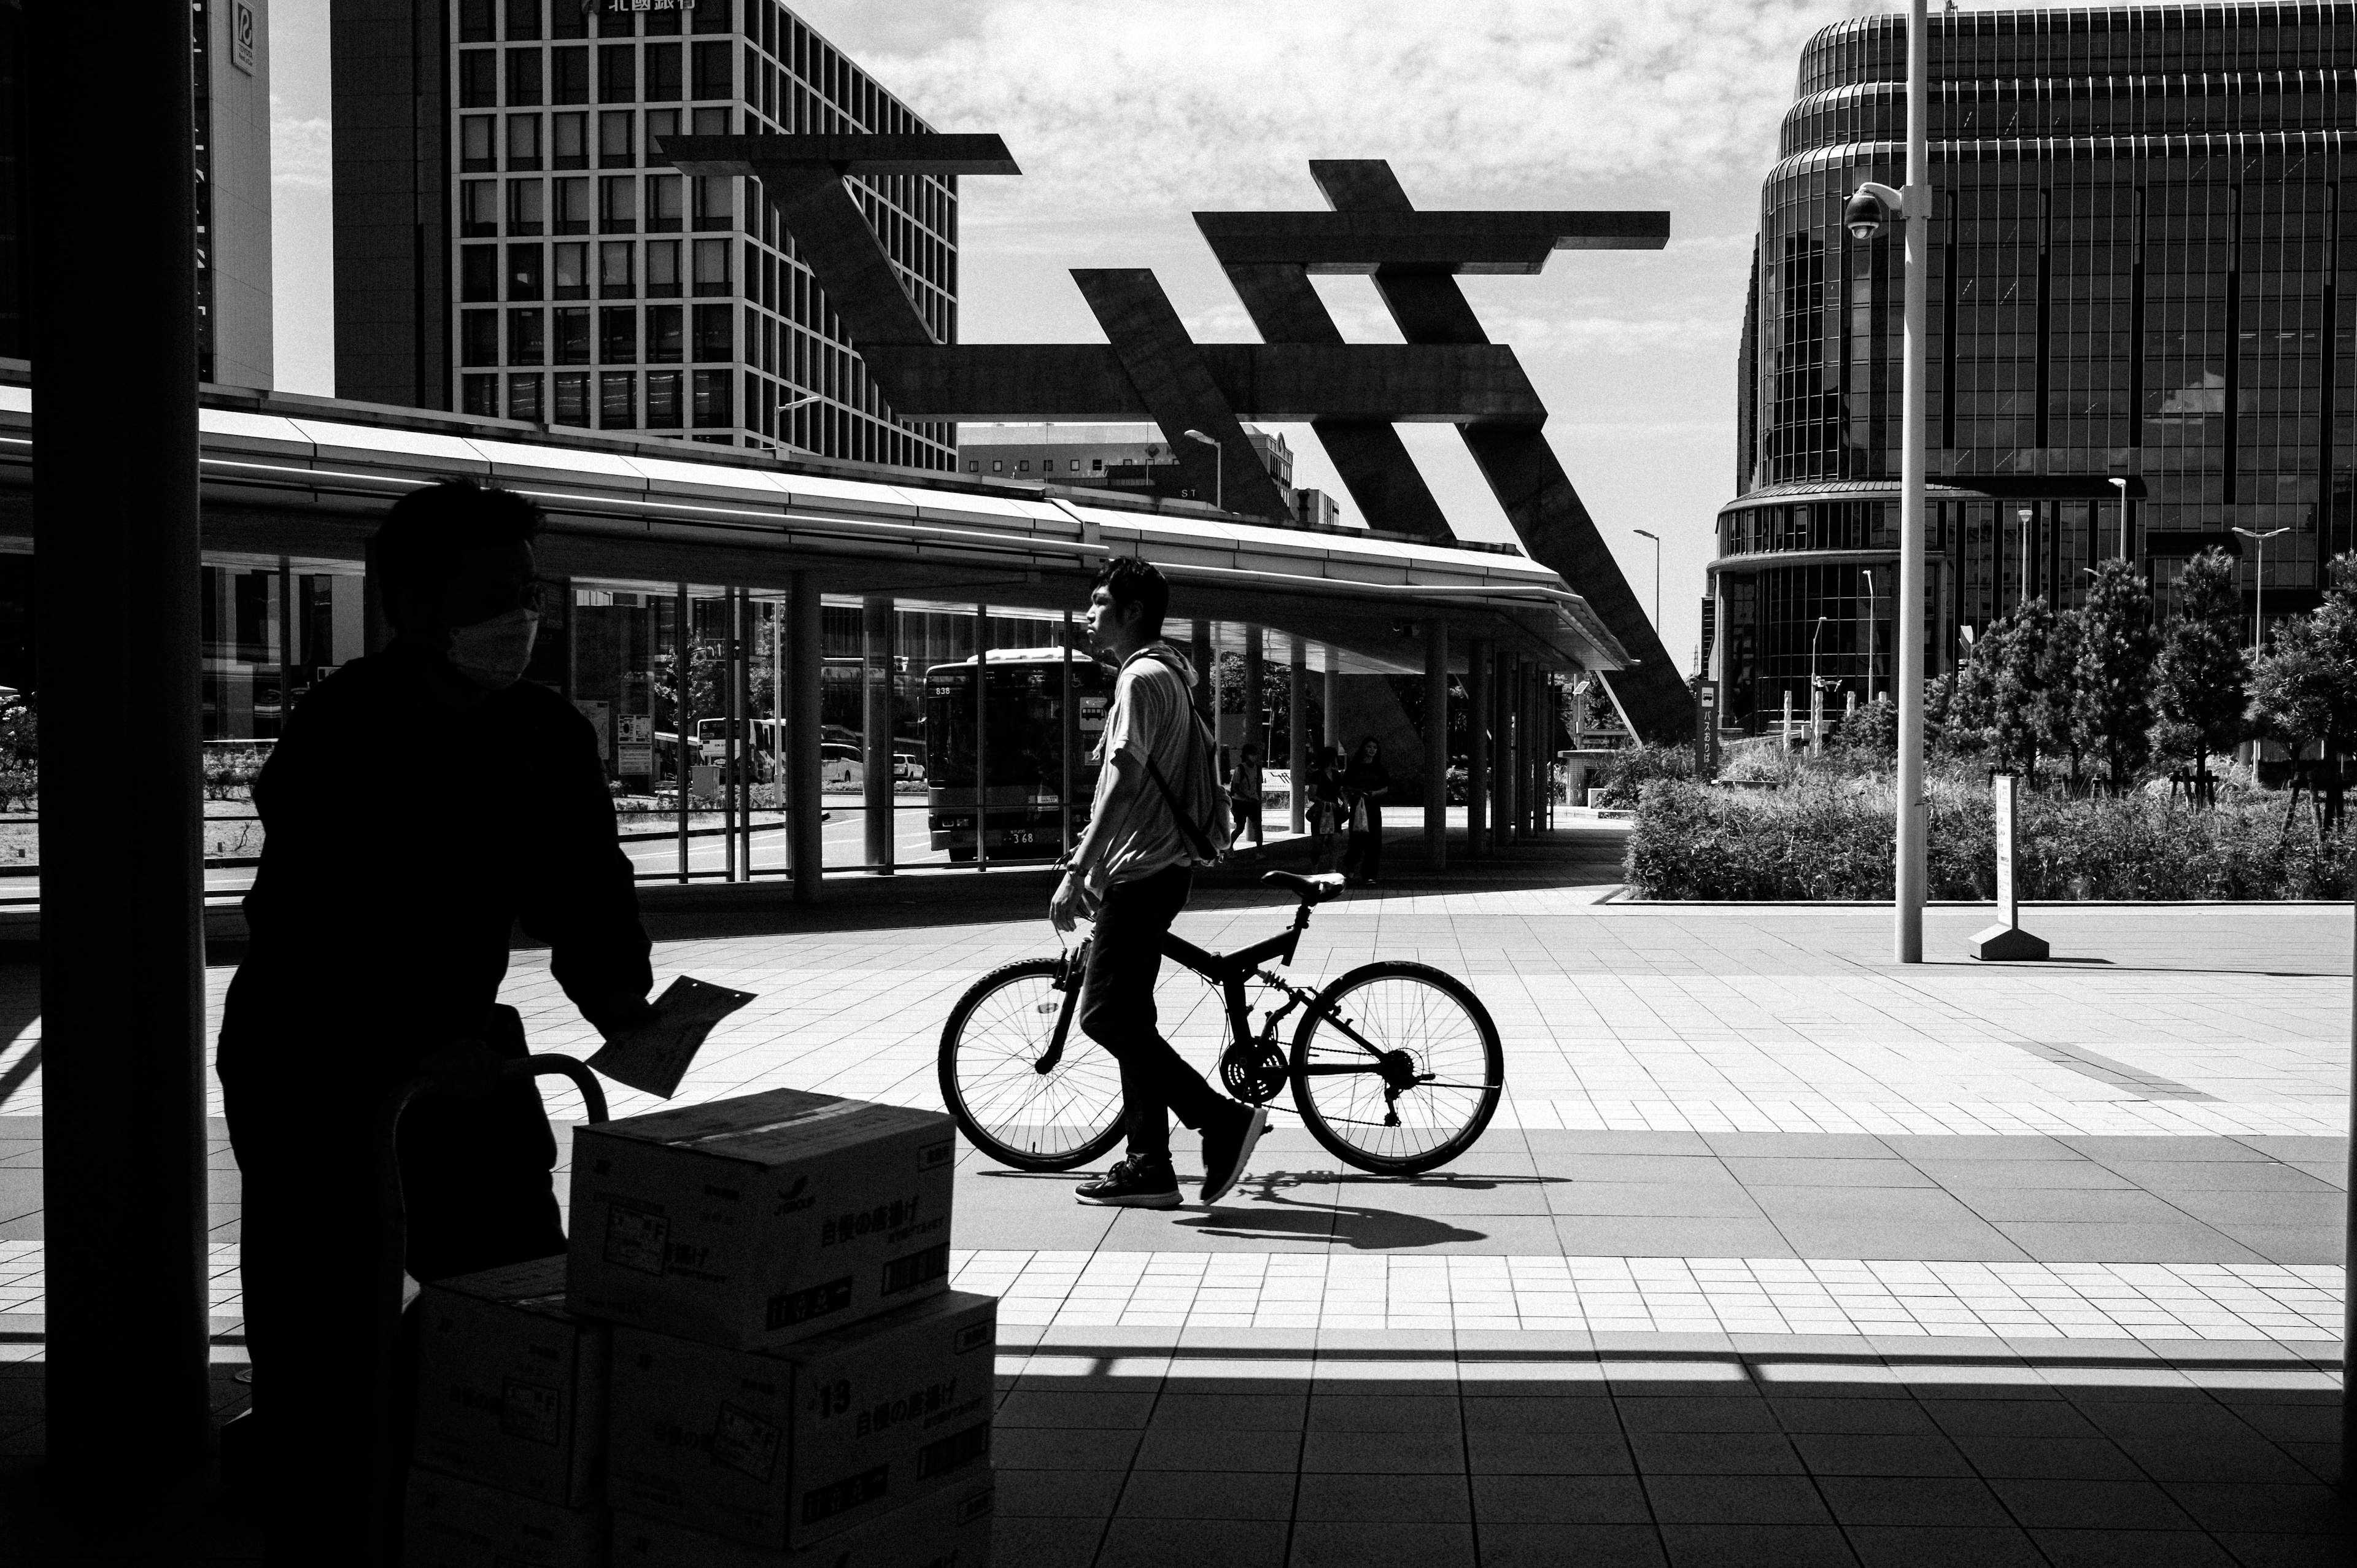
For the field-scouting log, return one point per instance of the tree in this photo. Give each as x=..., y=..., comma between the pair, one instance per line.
x=2203, y=682
x=2111, y=708
x=2304, y=687
x=2057, y=664
x=1970, y=703
x=2019, y=665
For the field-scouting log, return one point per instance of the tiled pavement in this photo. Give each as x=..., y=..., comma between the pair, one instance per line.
x=1776, y=1252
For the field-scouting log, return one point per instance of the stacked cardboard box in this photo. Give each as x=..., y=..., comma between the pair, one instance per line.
x=750, y=1355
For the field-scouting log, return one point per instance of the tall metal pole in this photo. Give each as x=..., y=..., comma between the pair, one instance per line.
x=122, y=956
x=1068, y=712
x=1435, y=744
x=981, y=737
x=1297, y=734
x=805, y=817
x=1477, y=748
x=2348, y=1298
x=876, y=618
x=1907, y=935
x=683, y=725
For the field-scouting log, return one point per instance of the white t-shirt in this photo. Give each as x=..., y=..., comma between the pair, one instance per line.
x=1149, y=719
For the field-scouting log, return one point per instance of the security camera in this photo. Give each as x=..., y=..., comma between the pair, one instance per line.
x=1864, y=216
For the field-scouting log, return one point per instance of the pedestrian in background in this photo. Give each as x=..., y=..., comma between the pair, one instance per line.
x=1322, y=797
x=1243, y=795
x=1365, y=782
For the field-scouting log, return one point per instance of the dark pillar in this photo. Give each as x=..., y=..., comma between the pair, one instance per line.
x=875, y=628
x=1206, y=697
x=1256, y=703
x=1477, y=748
x=111, y=256
x=805, y=827
x=1296, y=736
x=1435, y=744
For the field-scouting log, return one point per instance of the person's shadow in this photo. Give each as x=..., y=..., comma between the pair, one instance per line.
x=1275, y=1217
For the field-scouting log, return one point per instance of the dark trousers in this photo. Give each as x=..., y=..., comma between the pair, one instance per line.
x=1117, y=1011
x=1246, y=814
x=1365, y=855
x=307, y=1123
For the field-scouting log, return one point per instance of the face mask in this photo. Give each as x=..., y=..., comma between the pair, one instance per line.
x=492, y=653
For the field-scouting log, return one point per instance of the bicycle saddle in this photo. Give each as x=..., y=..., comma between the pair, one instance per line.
x=1308, y=889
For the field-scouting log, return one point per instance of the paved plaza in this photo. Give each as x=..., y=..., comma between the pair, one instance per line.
x=1777, y=1252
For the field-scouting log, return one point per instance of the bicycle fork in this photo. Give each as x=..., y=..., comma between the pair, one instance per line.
x=1071, y=969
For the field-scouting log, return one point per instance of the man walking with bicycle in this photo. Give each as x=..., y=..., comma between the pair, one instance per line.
x=1159, y=813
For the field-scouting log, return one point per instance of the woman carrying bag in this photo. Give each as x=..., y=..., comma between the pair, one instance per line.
x=1323, y=791
x=1365, y=782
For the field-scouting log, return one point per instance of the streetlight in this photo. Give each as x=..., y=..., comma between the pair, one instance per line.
x=2259, y=583
x=1649, y=534
x=787, y=407
x=2025, y=515
x=1219, y=467
x=2122, y=486
x=1868, y=211
x=1870, y=639
x=1816, y=692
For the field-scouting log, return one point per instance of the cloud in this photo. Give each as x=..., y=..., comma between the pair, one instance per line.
x=301, y=147
x=1205, y=103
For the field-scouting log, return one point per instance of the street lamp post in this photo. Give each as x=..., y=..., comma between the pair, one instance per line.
x=1869, y=574
x=1219, y=469
x=1867, y=211
x=2259, y=584
x=2026, y=515
x=1816, y=692
x=2121, y=485
x=1649, y=534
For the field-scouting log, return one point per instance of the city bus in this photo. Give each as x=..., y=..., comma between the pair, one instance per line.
x=1025, y=730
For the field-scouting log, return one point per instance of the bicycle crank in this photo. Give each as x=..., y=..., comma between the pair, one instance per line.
x=1254, y=1071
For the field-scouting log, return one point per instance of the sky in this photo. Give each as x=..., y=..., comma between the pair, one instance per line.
x=1129, y=115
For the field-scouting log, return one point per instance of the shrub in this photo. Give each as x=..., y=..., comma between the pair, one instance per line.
x=1830, y=837
x=230, y=774
x=1624, y=774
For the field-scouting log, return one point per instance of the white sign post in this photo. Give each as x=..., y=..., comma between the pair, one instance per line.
x=2006, y=940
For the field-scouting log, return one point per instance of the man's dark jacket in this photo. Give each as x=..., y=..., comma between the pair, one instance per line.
x=412, y=819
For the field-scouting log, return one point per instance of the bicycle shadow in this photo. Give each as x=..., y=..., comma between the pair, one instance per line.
x=1359, y=1227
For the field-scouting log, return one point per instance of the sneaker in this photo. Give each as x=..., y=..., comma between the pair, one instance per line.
x=1225, y=1153
x=1137, y=1182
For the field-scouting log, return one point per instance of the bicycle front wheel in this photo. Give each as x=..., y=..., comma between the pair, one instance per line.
x=1015, y=1097
x=1397, y=1068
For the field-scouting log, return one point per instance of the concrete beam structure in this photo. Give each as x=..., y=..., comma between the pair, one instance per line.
x=1362, y=241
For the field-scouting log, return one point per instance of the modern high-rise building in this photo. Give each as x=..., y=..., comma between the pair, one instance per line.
x=1133, y=457
x=512, y=243
x=2143, y=299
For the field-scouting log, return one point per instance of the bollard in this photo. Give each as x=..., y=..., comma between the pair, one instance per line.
x=2006, y=940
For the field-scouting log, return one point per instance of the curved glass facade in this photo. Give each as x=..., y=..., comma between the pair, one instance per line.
x=2143, y=269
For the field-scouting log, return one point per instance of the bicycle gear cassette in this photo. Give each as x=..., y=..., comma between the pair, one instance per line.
x=1253, y=1071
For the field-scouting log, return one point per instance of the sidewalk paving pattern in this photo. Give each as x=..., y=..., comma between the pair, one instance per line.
x=1776, y=1252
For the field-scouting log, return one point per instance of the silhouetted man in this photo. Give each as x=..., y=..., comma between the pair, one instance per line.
x=422, y=803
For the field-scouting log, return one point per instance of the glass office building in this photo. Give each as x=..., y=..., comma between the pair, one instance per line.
x=561, y=272
x=2143, y=290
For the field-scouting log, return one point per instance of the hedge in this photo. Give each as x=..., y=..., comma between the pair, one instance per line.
x=1831, y=838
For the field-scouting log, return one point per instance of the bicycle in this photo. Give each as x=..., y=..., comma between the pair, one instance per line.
x=1385, y=1037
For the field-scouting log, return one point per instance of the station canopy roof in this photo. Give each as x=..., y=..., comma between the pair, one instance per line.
x=286, y=475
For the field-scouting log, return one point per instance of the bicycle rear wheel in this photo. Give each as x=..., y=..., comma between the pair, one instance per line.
x=1397, y=1068
x=992, y=1047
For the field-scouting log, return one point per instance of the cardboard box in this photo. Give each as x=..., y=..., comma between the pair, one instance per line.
x=948, y=1529
x=512, y=1387
x=452, y=1523
x=759, y=1220
x=780, y=1448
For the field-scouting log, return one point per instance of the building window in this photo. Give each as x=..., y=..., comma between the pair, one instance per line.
x=617, y=400
x=1096, y=464
x=572, y=400
x=712, y=16
x=479, y=273
x=474, y=144
x=618, y=335
x=527, y=338
x=524, y=19
x=662, y=269
x=712, y=402
x=714, y=75
x=711, y=122
x=527, y=207
x=524, y=141
x=712, y=267
x=997, y=466
x=524, y=272
x=614, y=270
x=569, y=136
x=479, y=396
x=478, y=78
x=572, y=206
x=662, y=400
x=617, y=139
x=974, y=464
x=661, y=122
x=663, y=78
x=618, y=204
x=663, y=345
x=715, y=332
x=715, y=202
x=568, y=71
x=573, y=335
x=523, y=77
x=524, y=399
x=1023, y=465
x=618, y=73
x=479, y=339
x=572, y=280
x=475, y=21
x=479, y=208
x=664, y=24
x=666, y=198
